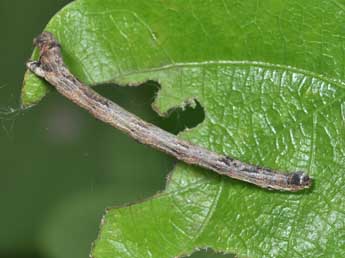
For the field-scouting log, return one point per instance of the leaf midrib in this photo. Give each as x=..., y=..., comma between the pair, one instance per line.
x=336, y=82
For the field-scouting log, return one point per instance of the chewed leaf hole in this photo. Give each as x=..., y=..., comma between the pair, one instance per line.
x=210, y=254
x=138, y=100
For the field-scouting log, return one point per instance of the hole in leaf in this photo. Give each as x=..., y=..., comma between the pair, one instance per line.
x=139, y=166
x=138, y=100
x=210, y=254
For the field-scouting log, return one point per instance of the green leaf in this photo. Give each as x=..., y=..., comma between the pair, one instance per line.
x=270, y=77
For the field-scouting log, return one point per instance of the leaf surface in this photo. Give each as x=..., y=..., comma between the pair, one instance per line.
x=270, y=77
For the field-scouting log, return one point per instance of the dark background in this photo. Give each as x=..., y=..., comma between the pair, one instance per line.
x=59, y=167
